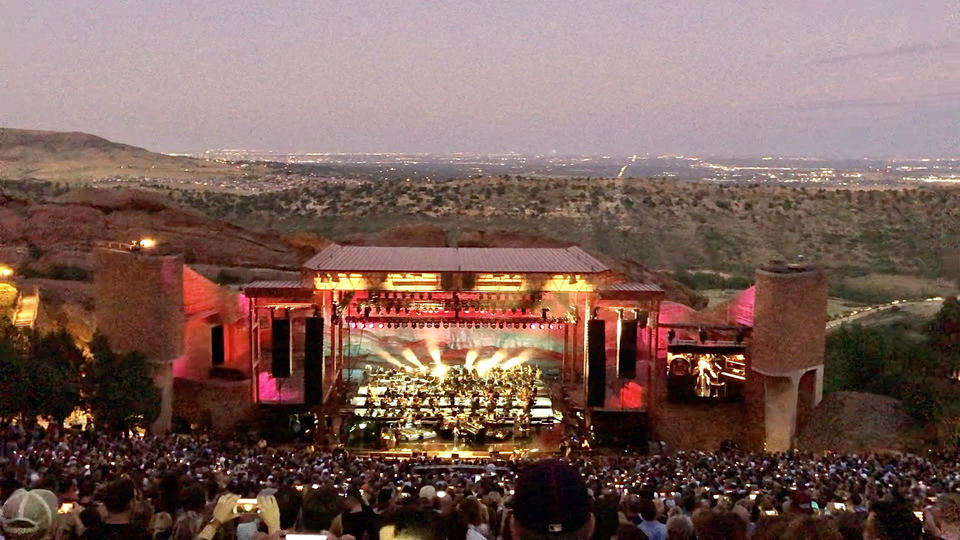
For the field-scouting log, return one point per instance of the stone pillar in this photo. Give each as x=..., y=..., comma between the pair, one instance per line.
x=789, y=333
x=139, y=308
x=163, y=379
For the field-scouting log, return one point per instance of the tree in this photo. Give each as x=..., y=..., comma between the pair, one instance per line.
x=122, y=393
x=12, y=378
x=944, y=335
x=57, y=365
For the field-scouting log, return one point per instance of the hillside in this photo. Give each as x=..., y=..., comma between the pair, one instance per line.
x=660, y=223
x=53, y=238
x=73, y=156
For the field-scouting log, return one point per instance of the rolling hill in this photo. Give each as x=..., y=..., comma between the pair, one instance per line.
x=74, y=156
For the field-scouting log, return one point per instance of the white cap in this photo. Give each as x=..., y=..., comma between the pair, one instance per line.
x=29, y=512
x=428, y=492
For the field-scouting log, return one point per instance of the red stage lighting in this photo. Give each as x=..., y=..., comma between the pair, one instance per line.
x=380, y=325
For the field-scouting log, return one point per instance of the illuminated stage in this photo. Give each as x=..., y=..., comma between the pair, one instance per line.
x=442, y=317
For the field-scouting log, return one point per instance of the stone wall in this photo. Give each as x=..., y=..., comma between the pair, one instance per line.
x=215, y=404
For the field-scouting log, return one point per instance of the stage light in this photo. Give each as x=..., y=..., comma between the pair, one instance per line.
x=551, y=326
x=380, y=325
x=148, y=243
x=703, y=335
x=5, y=271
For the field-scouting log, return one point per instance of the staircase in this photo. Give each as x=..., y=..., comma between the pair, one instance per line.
x=25, y=313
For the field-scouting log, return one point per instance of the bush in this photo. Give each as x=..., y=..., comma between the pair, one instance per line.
x=710, y=280
x=227, y=278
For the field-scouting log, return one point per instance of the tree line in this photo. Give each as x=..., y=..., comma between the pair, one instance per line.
x=48, y=376
x=919, y=368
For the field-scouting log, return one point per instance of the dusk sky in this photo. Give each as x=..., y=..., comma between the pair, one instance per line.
x=838, y=78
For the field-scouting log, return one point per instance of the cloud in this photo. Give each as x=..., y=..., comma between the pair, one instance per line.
x=935, y=98
x=910, y=49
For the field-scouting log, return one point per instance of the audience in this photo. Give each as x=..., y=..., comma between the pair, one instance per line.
x=189, y=487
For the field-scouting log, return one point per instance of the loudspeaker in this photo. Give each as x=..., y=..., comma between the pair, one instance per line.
x=313, y=361
x=596, y=363
x=627, y=350
x=280, y=361
x=216, y=345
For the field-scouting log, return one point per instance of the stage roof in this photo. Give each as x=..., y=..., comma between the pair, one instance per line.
x=571, y=260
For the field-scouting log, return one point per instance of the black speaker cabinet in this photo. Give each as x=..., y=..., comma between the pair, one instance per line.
x=596, y=363
x=313, y=361
x=280, y=361
x=627, y=350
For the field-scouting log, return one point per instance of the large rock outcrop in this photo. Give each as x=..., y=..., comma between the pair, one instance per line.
x=857, y=422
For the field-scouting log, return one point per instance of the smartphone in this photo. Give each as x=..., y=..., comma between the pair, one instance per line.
x=919, y=514
x=246, y=506
x=65, y=508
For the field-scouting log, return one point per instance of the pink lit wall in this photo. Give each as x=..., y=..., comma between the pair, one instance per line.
x=206, y=305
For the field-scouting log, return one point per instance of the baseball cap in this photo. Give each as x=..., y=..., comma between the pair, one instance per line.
x=428, y=492
x=551, y=497
x=28, y=512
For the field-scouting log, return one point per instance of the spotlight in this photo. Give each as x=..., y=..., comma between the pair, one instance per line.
x=524, y=325
x=380, y=325
x=543, y=313
x=551, y=326
x=501, y=325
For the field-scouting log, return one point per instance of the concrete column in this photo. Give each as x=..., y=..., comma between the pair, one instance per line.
x=780, y=412
x=163, y=380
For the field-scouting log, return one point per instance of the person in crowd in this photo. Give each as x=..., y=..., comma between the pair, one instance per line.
x=648, y=521
x=473, y=516
x=357, y=518
x=891, y=520
x=191, y=519
x=410, y=524
x=29, y=515
x=551, y=501
x=119, y=501
x=679, y=527
x=942, y=520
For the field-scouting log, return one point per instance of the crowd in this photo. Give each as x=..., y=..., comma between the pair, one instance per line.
x=92, y=486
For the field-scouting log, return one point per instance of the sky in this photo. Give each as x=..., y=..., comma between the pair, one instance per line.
x=837, y=78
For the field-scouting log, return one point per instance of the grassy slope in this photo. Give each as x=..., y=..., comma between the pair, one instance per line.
x=73, y=156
